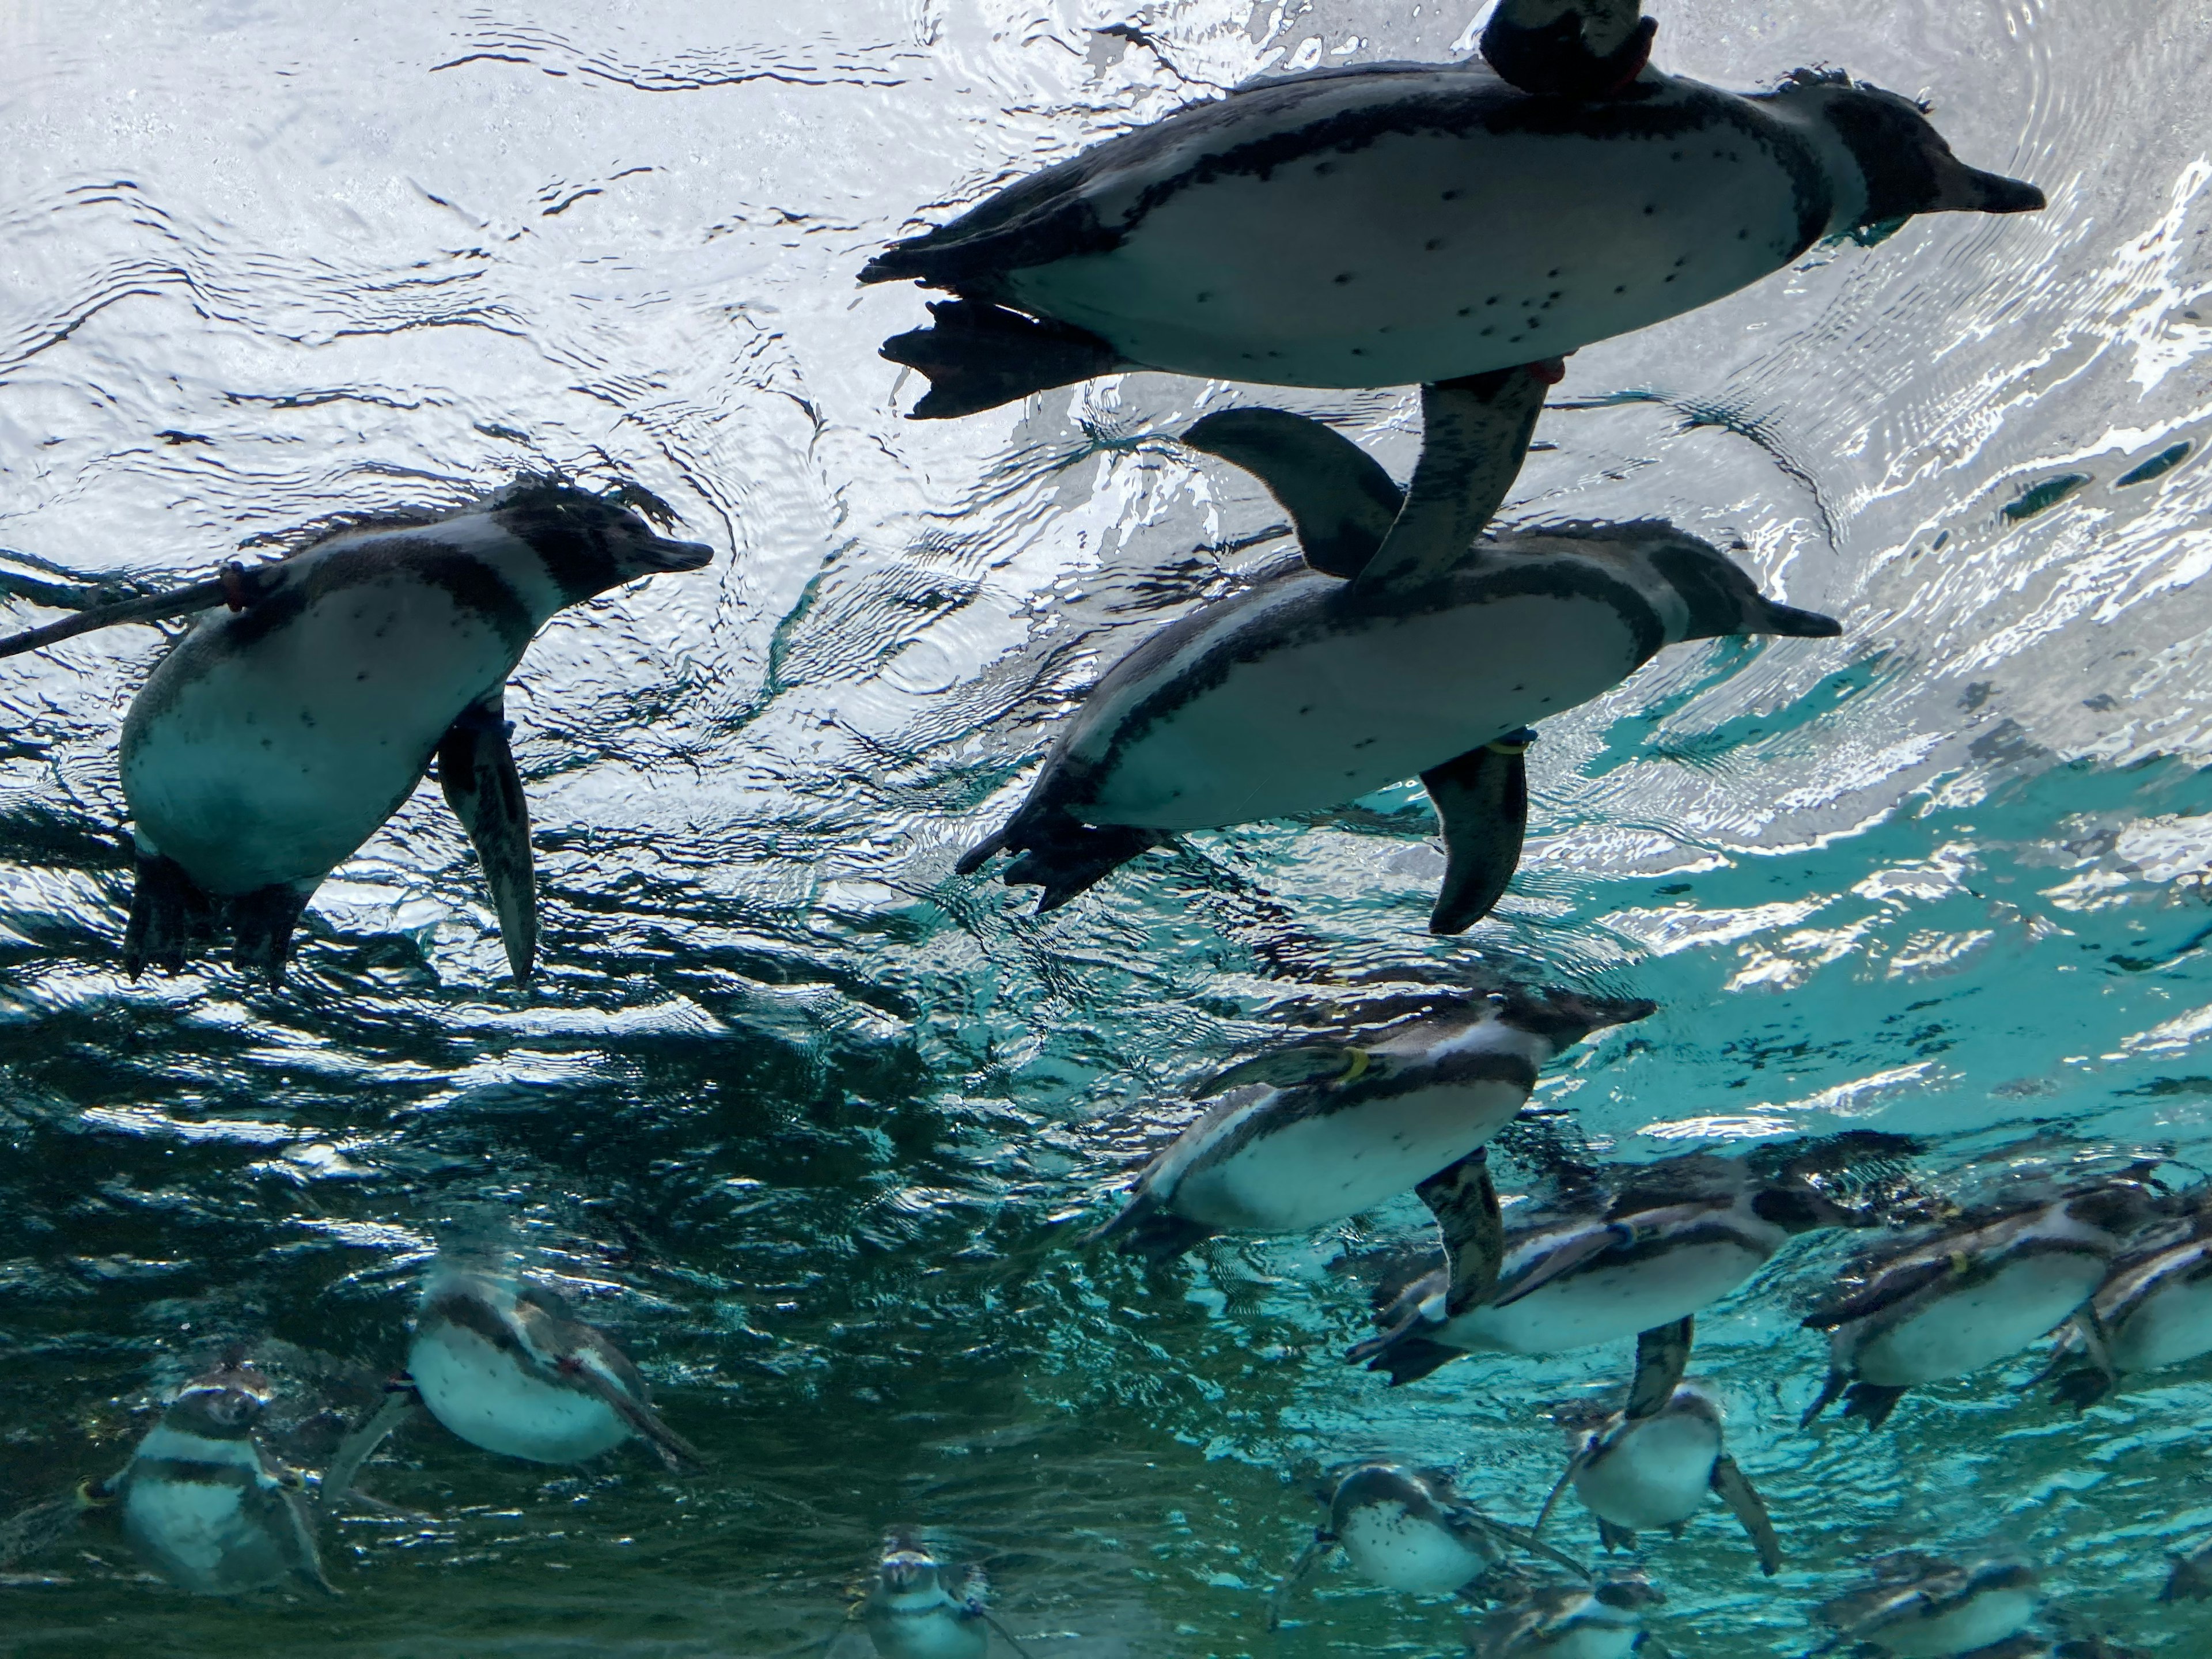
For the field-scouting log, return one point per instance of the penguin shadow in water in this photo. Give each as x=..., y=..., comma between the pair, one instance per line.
x=312, y=694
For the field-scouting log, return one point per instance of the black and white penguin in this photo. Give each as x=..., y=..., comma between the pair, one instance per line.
x=1675, y=1237
x=202, y=1501
x=1391, y=224
x=917, y=1608
x=275, y=739
x=1315, y=1132
x=1921, y=1606
x=1398, y=646
x=1604, y=1620
x=1408, y=1530
x=1652, y=1464
x=1950, y=1300
x=2154, y=1309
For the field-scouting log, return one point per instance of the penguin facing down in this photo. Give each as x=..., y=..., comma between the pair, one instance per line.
x=1392, y=224
x=1398, y=646
x=274, y=739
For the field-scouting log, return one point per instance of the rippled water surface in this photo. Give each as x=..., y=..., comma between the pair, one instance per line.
x=813, y=1125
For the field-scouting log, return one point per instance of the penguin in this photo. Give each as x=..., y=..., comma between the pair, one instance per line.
x=1315, y=1132
x=1397, y=645
x=2154, y=1309
x=274, y=737
x=1604, y=1620
x=202, y=1502
x=1675, y=1237
x=1949, y=1300
x=504, y=1364
x=917, y=1608
x=1921, y=1606
x=1393, y=224
x=1652, y=1463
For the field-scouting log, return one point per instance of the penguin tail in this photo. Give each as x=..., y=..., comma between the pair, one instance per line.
x=978, y=355
x=1148, y=1228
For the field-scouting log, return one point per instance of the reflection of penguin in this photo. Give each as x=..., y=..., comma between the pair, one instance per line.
x=1920, y=1606
x=1400, y=645
x=1391, y=224
x=269, y=744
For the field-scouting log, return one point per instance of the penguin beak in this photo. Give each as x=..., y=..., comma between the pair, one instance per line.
x=661, y=557
x=1790, y=622
x=1962, y=189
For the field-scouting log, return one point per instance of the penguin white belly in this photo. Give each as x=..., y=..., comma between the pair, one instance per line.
x=1985, y=1620
x=1422, y=256
x=1979, y=1326
x=482, y=1395
x=936, y=1632
x=199, y=1536
x=1398, y=1550
x=1588, y=1641
x=1309, y=1171
x=1325, y=719
x=1607, y=1304
x=1657, y=1474
x=2169, y=1325
x=273, y=761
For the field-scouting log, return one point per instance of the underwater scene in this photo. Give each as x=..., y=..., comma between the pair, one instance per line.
x=948, y=829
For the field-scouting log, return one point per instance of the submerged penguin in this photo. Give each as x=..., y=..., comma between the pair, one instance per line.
x=1389, y=224
x=1397, y=646
x=203, y=1503
x=2154, y=1309
x=275, y=739
x=1675, y=1238
x=1653, y=1463
x=1604, y=1620
x=1921, y=1606
x=917, y=1608
x=1318, y=1132
x=1951, y=1300
x=503, y=1364
x=1408, y=1530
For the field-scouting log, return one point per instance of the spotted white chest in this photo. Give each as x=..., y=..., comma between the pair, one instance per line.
x=924, y=1625
x=2171, y=1322
x=1983, y=1621
x=1386, y=1542
x=1974, y=1326
x=1322, y=718
x=1654, y=1474
x=260, y=758
x=1610, y=1303
x=1424, y=255
x=483, y=1395
x=1589, y=1638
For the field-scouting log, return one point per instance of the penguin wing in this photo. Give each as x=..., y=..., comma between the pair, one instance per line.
x=477, y=771
x=1735, y=1489
x=1308, y=1563
x=1340, y=500
x=1886, y=1289
x=1294, y=1068
x=1464, y=1201
x=1475, y=434
x=1482, y=801
x=1663, y=1354
x=1469, y=1522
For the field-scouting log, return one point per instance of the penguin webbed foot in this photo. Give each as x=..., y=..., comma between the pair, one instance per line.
x=2081, y=1387
x=977, y=356
x=1152, y=1231
x=171, y=920
x=1872, y=1402
x=261, y=926
x=1403, y=1355
x=1058, y=852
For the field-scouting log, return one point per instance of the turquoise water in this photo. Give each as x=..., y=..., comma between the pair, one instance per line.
x=814, y=1125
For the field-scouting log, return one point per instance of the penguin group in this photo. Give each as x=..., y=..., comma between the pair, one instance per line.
x=1461, y=228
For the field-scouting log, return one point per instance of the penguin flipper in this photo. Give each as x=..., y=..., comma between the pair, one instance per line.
x=171, y=919
x=1663, y=1354
x=261, y=926
x=1340, y=500
x=1309, y=1562
x=977, y=356
x=1464, y=1201
x=1735, y=1489
x=1831, y=1391
x=1475, y=434
x=1148, y=1228
x=398, y=1404
x=482, y=785
x=1298, y=1065
x=1482, y=801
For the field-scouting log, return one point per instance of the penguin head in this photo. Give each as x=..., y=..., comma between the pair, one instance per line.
x=1907, y=166
x=1563, y=1017
x=589, y=543
x=223, y=1404
x=1718, y=593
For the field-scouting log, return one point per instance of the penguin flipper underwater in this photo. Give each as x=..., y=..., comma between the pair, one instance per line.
x=1662, y=1355
x=482, y=784
x=1734, y=1488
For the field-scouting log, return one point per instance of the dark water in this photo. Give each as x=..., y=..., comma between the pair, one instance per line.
x=811, y=1124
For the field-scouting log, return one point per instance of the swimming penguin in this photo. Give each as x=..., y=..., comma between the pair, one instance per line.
x=273, y=739
x=1952, y=1299
x=1398, y=646
x=1604, y=1620
x=1652, y=1464
x=1674, y=1236
x=1921, y=1606
x=1317, y=1131
x=917, y=1608
x=2154, y=1309
x=1392, y=224
x=506, y=1366
x=202, y=1502
x=1408, y=1530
